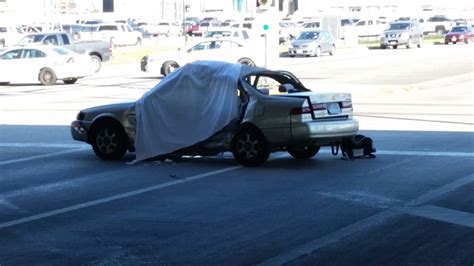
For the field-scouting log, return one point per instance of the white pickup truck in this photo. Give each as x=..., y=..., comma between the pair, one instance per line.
x=437, y=24
x=99, y=51
x=119, y=34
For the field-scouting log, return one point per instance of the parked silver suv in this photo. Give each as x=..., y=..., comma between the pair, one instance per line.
x=407, y=33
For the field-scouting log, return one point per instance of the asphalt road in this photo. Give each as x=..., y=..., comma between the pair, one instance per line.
x=412, y=205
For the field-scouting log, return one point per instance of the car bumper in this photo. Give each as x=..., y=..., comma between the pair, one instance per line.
x=394, y=41
x=324, y=133
x=453, y=39
x=80, y=130
x=300, y=51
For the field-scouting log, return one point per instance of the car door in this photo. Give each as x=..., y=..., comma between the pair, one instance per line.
x=323, y=40
x=208, y=50
x=11, y=66
x=33, y=61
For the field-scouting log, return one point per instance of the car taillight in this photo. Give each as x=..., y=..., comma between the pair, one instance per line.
x=347, y=104
x=319, y=107
x=300, y=110
x=307, y=109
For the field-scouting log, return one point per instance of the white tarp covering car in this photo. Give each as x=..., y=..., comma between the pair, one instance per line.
x=190, y=105
x=209, y=107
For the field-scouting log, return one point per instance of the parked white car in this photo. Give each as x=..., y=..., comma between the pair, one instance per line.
x=45, y=64
x=227, y=50
x=120, y=34
x=168, y=28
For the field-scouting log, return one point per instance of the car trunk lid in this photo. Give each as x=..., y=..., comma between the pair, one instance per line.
x=323, y=106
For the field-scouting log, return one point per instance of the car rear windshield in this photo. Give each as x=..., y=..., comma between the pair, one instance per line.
x=459, y=29
x=308, y=35
x=399, y=26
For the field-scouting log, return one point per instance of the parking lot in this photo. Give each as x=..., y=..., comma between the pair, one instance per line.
x=413, y=204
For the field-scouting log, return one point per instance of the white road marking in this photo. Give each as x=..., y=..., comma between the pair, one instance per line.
x=11, y=206
x=427, y=211
x=42, y=156
x=417, y=153
x=44, y=145
x=440, y=214
x=115, y=197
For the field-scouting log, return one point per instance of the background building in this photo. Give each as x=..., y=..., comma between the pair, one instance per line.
x=175, y=10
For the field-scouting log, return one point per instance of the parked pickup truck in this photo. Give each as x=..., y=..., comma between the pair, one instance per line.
x=100, y=51
x=437, y=24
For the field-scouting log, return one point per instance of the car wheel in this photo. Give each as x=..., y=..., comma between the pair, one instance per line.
x=246, y=61
x=109, y=140
x=454, y=42
x=333, y=50
x=250, y=147
x=409, y=44
x=383, y=46
x=420, y=43
x=139, y=41
x=70, y=81
x=395, y=46
x=47, y=76
x=317, y=52
x=303, y=152
x=291, y=55
x=97, y=63
x=446, y=43
x=440, y=31
x=169, y=67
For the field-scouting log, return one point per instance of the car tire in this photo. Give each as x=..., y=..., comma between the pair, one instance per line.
x=246, y=61
x=409, y=44
x=446, y=43
x=109, y=140
x=70, y=81
x=169, y=67
x=303, y=152
x=383, y=46
x=333, y=50
x=291, y=55
x=395, y=46
x=250, y=147
x=317, y=52
x=420, y=43
x=96, y=62
x=139, y=41
x=47, y=77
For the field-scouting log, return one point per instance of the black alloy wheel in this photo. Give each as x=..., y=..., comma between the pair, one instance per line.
x=109, y=141
x=250, y=147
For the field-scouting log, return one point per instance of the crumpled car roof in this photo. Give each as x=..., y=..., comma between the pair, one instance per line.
x=188, y=106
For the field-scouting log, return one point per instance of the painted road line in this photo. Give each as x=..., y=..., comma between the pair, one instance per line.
x=43, y=145
x=332, y=238
x=115, y=197
x=426, y=211
x=42, y=156
x=440, y=214
x=418, y=153
x=120, y=196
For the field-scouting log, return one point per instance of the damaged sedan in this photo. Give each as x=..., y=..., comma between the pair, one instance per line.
x=209, y=107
